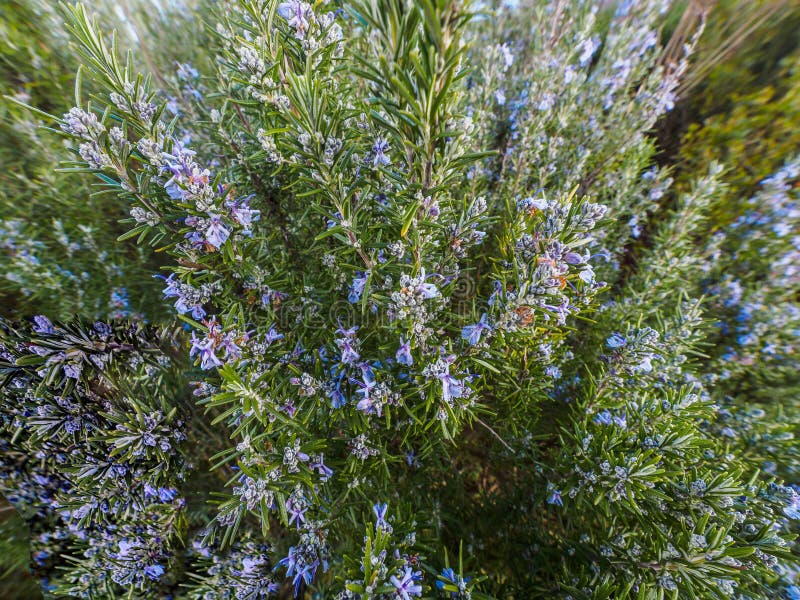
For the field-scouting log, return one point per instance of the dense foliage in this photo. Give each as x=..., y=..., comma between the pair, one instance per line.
x=433, y=322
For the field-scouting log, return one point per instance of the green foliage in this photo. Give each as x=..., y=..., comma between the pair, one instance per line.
x=88, y=410
x=437, y=297
x=745, y=110
x=16, y=582
x=59, y=254
x=754, y=137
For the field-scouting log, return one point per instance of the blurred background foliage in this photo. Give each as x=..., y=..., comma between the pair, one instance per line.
x=15, y=581
x=742, y=101
x=61, y=258
x=740, y=106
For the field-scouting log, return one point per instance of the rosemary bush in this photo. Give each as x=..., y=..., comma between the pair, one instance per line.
x=438, y=325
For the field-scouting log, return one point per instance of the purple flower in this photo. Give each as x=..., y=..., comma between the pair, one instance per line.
x=792, y=508
x=216, y=231
x=296, y=507
x=172, y=105
x=347, y=333
x=335, y=221
x=633, y=223
x=164, y=494
x=149, y=490
x=195, y=239
x=205, y=348
x=616, y=340
x=367, y=404
x=403, y=355
x=338, y=399
x=186, y=72
x=379, y=150
x=297, y=562
x=532, y=205
x=552, y=371
x=296, y=14
x=290, y=560
x=324, y=471
x=43, y=325
x=428, y=290
x=357, y=287
x=290, y=408
x=349, y=354
x=72, y=370
x=272, y=335
x=645, y=366
x=603, y=418
x=347, y=344
x=173, y=287
x=182, y=304
x=586, y=275
x=180, y=162
x=472, y=333
x=449, y=576
x=243, y=214
x=72, y=424
x=167, y=494
x=154, y=571
x=555, y=498
x=305, y=574
x=407, y=586
x=380, y=515
x=230, y=345
x=174, y=189
x=451, y=387
x=431, y=206
x=561, y=311
x=573, y=258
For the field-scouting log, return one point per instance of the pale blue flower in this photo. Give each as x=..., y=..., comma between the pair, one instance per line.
x=380, y=510
x=555, y=495
x=616, y=340
x=296, y=14
x=379, y=150
x=216, y=232
x=154, y=572
x=472, y=333
x=357, y=287
x=43, y=325
x=403, y=355
x=243, y=214
x=205, y=349
x=407, y=586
